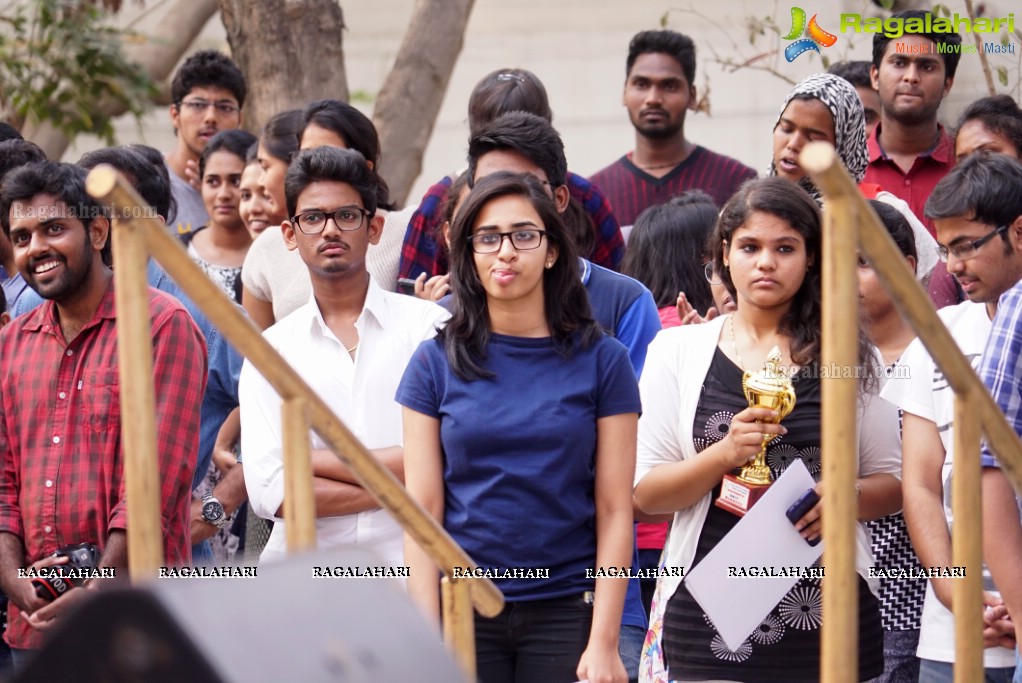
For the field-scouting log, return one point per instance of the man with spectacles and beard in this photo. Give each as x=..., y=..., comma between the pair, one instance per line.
x=62, y=477
x=208, y=92
x=350, y=343
x=977, y=211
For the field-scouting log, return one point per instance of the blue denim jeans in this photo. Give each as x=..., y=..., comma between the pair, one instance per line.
x=534, y=641
x=630, y=649
x=943, y=672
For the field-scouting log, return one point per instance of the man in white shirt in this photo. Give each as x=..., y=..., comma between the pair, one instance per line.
x=980, y=238
x=351, y=343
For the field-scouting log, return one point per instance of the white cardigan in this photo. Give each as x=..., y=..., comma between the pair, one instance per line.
x=671, y=385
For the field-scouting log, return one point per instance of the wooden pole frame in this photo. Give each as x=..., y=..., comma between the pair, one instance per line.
x=975, y=409
x=840, y=351
x=459, y=629
x=299, y=497
x=109, y=188
x=138, y=399
x=967, y=542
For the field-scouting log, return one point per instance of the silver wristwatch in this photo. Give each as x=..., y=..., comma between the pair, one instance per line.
x=213, y=511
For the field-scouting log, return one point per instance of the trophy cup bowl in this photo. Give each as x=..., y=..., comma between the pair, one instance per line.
x=768, y=388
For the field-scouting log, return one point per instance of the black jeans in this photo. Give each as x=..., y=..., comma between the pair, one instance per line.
x=539, y=641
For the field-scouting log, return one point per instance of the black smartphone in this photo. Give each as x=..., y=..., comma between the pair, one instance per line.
x=800, y=507
x=406, y=285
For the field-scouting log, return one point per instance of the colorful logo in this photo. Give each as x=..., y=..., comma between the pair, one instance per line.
x=816, y=35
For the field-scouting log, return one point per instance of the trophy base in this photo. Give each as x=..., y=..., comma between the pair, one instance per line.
x=737, y=496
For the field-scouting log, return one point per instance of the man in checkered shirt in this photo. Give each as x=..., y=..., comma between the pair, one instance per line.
x=61, y=481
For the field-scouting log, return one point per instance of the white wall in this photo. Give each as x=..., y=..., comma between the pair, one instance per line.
x=578, y=49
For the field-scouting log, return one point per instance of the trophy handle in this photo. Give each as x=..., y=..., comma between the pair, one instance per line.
x=787, y=404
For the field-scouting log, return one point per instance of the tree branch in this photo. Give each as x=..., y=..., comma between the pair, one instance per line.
x=408, y=104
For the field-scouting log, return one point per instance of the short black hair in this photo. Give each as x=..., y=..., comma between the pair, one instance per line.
x=950, y=57
x=531, y=136
x=983, y=187
x=208, y=68
x=999, y=114
x=152, y=185
x=17, y=152
x=898, y=226
x=9, y=132
x=677, y=45
x=66, y=182
x=331, y=164
x=236, y=141
x=855, y=72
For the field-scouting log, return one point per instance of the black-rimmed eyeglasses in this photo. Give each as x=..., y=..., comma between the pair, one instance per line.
x=346, y=218
x=490, y=242
x=966, y=250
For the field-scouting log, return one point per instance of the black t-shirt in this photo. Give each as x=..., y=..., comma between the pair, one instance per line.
x=786, y=646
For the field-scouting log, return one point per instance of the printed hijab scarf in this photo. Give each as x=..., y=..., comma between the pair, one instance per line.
x=845, y=107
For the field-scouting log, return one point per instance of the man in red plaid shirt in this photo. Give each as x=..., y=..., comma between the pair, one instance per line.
x=62, y=479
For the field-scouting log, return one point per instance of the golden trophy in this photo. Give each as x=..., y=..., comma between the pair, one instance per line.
x=768, y=388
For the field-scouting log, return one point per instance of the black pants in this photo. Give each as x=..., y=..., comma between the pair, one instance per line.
x=539, y=641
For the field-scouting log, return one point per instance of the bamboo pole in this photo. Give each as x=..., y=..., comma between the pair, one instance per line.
x=967, y=543
x=299, y=497
x=138, y=402
x=459, y=631
x=108, y=187
x=839, y=652
x=820, y=161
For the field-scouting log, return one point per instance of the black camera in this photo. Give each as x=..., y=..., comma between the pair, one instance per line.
x=60, y=579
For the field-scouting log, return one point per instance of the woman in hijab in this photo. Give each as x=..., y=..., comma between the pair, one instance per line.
x=824, y=108
x=827, y=107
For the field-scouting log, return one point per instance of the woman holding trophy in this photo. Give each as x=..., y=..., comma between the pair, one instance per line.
x=728, y=405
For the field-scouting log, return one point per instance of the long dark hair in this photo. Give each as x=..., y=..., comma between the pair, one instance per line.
x=789, y=202
x=667, y=248
x=566, y=304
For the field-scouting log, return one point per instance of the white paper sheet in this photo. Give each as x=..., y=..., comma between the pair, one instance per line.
x=763, y=538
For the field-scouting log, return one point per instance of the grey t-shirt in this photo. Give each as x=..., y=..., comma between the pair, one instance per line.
x=191, y=212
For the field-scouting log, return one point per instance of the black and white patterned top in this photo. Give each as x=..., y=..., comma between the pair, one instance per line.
x=786, y=646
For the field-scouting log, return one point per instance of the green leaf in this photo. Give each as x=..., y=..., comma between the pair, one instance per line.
x=663, y=19
x=1002, y=75
x=59, y=59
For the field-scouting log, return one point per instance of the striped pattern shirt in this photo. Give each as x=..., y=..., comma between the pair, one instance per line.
x=631, y=190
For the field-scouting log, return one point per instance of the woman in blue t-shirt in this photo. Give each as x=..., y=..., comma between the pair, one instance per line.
x=519, y=434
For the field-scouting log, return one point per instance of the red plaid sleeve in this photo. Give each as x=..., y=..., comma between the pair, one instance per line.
x=10, y=511
x=421, y=251
x=609, y=251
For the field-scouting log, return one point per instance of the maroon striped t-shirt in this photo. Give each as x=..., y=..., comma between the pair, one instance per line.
x=630, y=190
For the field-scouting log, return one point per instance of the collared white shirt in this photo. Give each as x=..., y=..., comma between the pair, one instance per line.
x=360, y=391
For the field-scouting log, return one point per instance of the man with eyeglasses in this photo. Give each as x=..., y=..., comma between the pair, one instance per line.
x=350, y=343
x=977, y=212
x=208, y=92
